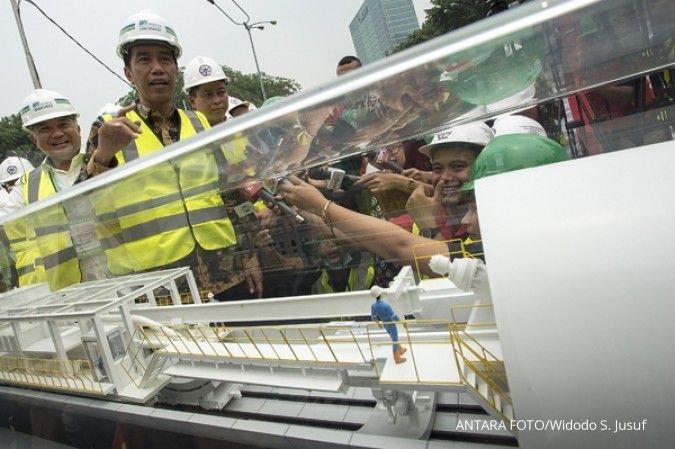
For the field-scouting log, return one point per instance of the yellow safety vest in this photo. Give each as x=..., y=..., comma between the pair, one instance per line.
x=360, y=278
x=47, y=243
x=25, y=252
x=155, y=217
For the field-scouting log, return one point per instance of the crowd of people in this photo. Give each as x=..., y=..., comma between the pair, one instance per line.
x=355, y=222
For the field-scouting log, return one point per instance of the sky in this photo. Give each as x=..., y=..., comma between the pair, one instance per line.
x=305, y=45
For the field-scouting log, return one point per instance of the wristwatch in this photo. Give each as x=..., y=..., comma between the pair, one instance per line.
x=429, y=233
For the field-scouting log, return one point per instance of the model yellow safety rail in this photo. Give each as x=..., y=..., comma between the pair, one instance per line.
x=133, y=363
x=302, y=343
x=417, y=334
x=69, y=375
x=457, y=248
x=474, y=356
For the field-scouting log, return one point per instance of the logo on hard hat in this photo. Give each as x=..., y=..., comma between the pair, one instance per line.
x=147, y=25
x=205, y=70
x=12, y=170
x=40, y=105
x=443, y=135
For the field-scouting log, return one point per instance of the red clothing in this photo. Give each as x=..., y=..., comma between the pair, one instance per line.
x=450, y=227
x=404, y=221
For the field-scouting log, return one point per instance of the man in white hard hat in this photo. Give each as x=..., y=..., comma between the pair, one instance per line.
x=51, y=122
x=239, y=107
x=452, y=152
x=11, y=170
x=205, y=83
x=193, y=226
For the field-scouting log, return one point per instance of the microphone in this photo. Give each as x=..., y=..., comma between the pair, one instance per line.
x=336, y=178
x=255, y=190
x=386, y=165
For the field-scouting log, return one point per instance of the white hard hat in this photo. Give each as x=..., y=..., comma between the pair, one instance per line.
x=13, y=167
x=202, y=70
x=42, y=105
x=517, y=124
x=236, y=102
x=376, y=291
x=109, y=108
x=146, y=26
x=477, y=133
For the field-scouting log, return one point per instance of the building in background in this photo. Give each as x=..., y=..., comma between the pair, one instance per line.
x=379, y=25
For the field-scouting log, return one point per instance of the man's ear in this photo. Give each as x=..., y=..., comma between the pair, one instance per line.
x=191, y=100
x=129, y=75
x=32, y=138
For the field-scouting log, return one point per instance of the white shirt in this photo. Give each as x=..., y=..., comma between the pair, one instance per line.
x=62, y=179
x=5, y=202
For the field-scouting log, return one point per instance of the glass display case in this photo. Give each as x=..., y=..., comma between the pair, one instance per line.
x=596, y=75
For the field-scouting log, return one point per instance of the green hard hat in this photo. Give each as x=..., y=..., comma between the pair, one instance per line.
x=271, y=100
x=513, y=152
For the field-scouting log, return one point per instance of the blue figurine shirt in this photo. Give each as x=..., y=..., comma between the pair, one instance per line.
x=382, y=311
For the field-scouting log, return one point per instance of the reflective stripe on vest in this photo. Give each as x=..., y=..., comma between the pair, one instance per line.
x=25, y=252
x=155, y=217
x=32, y=185
x=52, y=235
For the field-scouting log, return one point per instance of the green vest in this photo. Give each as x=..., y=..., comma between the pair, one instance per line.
x=156, y=217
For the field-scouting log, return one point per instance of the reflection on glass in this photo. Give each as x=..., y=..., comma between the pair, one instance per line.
x=597, y=78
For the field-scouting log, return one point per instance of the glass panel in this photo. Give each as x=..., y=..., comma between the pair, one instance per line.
x=597, y=75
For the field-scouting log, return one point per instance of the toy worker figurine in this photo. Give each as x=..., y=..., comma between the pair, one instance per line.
x=380, y=310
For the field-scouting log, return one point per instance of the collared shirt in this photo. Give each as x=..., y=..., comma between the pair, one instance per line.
x=62, y=179
x=167, y=130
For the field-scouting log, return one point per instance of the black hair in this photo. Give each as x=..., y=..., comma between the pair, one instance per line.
x=126, y=55
x=348, y=60
x=461, y=146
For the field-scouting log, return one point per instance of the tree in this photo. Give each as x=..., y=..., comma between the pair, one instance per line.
x=244, y=86
x=445, y=16
x=14, y=140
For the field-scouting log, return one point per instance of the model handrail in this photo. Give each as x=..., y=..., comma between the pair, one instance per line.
x=473, y=355
x=60, y=374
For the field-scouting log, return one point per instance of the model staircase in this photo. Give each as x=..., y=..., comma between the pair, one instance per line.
x=487, y=392
x=484, y=375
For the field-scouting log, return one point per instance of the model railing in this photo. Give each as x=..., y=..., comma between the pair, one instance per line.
x=327, y=344
x=481, y=370
x=348, y=345
x=70, y=375
x=437, y=351
x=429, y=352
x=134, y=364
